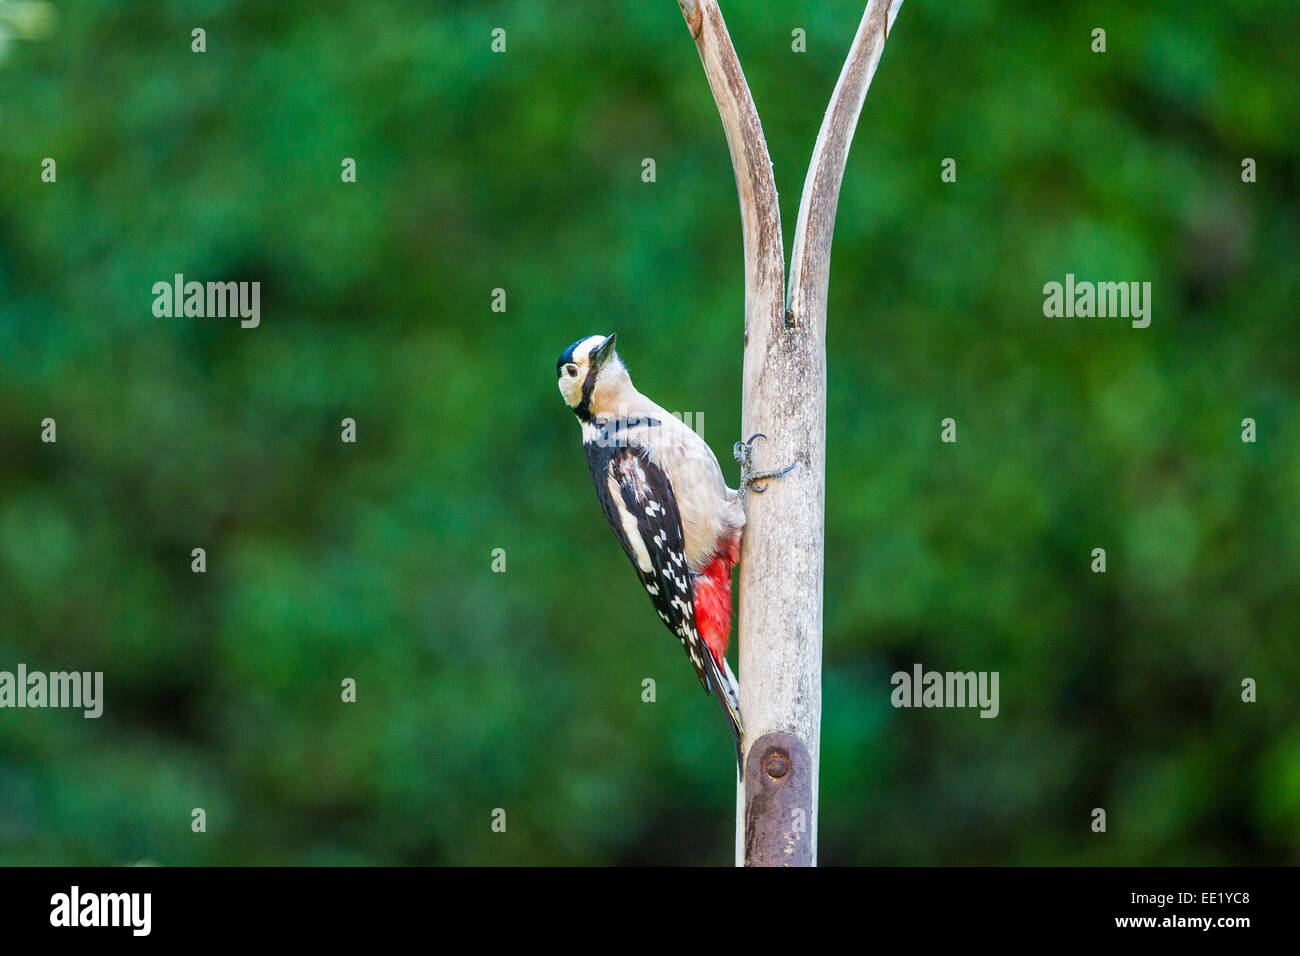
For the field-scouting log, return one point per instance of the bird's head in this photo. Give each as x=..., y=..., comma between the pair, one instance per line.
x=592, y=378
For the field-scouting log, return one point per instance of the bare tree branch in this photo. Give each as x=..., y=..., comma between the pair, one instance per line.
x=760, y=213
x=780, y=619
x=810, y=256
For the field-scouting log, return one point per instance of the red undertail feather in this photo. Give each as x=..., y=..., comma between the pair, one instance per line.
x=713, y=600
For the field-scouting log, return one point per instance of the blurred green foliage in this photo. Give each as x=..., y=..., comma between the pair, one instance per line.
x=523, y=171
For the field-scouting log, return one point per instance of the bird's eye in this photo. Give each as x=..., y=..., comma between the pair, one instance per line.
x=572, y=371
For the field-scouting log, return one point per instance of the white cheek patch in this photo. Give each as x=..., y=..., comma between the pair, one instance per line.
x=630, y=529
x=571, y=389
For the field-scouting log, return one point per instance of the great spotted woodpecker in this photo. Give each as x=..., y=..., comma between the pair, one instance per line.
x=660, y=486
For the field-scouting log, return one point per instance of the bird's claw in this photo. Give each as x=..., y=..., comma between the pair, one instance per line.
x=744, y=450
x=744, y=453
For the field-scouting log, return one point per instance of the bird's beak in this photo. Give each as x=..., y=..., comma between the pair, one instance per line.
x=601, y=353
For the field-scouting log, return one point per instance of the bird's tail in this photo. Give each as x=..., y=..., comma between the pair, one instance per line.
x=727, y=691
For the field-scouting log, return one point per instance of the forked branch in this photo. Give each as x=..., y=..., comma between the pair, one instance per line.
x=785, y=398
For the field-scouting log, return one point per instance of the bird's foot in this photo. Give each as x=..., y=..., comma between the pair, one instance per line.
x=749, y=478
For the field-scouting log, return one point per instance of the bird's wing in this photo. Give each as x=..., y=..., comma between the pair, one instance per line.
x=637, y=497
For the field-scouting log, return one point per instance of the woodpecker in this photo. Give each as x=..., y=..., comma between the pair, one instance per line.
x=663, y=493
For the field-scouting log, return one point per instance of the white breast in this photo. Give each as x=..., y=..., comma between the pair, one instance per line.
x=709, y=509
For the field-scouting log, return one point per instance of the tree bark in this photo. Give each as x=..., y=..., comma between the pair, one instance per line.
x=784, y=385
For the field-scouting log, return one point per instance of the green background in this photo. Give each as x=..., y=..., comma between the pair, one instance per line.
x=522, y=171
